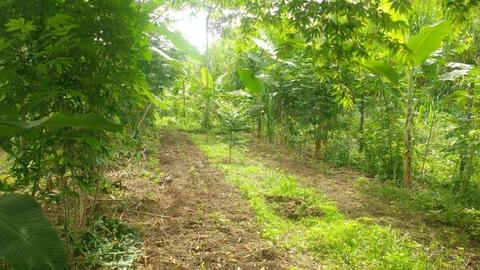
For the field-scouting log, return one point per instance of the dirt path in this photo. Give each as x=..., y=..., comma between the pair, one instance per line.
x=192, y=218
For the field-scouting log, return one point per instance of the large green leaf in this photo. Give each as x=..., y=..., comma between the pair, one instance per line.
x=27, y=239
x=252, y=83
x=427, y=41
x=82, y=121
x=382, y=69
x=207, y=79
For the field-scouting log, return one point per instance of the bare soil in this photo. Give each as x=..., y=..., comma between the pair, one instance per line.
x=293, y=208
x=192, y=218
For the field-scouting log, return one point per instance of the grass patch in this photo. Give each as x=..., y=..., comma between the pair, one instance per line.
x=459, y=209
x=298, y=218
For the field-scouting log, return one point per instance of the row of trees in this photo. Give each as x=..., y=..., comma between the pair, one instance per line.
x=389, y=87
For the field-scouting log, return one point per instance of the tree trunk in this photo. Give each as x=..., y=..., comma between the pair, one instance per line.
x=408, y=150
x=429, y=139
x=362, y=124
x=184, y=101
x=318, y=141
x=318, y=147
x=259, y=126
x=465, y=169
x=207, y=65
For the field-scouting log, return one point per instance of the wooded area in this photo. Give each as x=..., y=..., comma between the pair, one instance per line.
x=309, y=134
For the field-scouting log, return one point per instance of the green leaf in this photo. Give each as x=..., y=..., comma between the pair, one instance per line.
x=28, y=240
x=25, y=27
x=58, y=20
x=266, y=46
x=9, y=128
x=207, y=80
x=252, y=83
x=427, y=41
x=382, y=69
x=14, y=25
x=82, y=121
x=204, y=78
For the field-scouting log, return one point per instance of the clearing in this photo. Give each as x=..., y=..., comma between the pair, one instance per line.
x=190, y=217
x=267, y=209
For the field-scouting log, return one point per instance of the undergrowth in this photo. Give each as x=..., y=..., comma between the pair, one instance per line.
x=437, y=204
x=317, y=227
x=110, y=244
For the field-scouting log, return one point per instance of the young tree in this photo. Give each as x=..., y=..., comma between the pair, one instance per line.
x=232, y=122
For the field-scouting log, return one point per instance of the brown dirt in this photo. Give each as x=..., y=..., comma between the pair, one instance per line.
x=191, y=218
x=338, y=184
x=293, y=208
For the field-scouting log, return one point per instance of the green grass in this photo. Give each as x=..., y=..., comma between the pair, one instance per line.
x=458, y=209
x=337, y=242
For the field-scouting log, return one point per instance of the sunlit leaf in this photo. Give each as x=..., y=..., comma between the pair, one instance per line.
x=28, y=240
x=427, y=41
x=382, y=69
x=252, y=83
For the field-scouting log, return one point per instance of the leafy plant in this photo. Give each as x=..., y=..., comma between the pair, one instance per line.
x=28, y=240
x=111, y=244
x=232, y=122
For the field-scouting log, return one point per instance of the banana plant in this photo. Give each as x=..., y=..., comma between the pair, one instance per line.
x=27, y=239
x=256, y=87
x=417, y=49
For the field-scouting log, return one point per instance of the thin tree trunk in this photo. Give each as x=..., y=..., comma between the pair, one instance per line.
x=140, y=123
x=184, y=102
x=429, y=139
x=392, y=168
x=39, y=164
x=408, y=150
x=362, y=123
x=465, y=154
x=259, y=126
x=318, y=141
x=207, y=81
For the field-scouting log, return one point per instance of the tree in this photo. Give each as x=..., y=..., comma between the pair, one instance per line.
x=232, y=122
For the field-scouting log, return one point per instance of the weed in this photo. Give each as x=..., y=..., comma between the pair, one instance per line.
x=110, y=244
